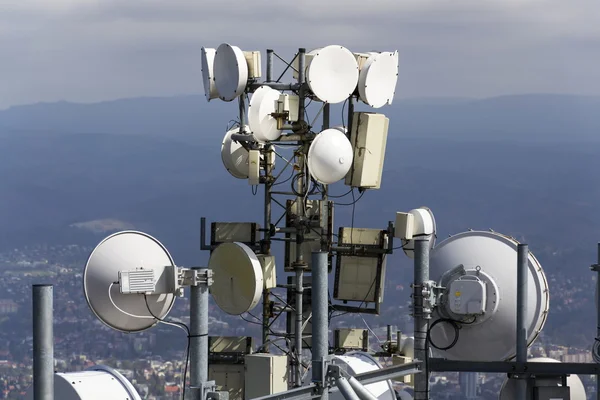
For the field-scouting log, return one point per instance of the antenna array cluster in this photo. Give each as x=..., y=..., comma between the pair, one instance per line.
x=465, y=295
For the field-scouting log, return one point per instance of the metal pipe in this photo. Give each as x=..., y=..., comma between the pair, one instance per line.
x=598, y=317
x=345, y=389
x=298, y=329
x=421, y=323
x=274, y=85
x=320, y=310
x=242, y=104
x=269, y=65
x=301, y=67
x=350, y=115
x=521, y=334
x=266, y=245
x=326, y=113
x=198, y=337
x=362, y=392
x=301, y=81
x=43, y=343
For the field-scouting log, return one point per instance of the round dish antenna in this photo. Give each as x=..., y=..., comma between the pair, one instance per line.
x=330, y=156
x=262, y=105
x=234, y=155
x=85, y=385
x=208, y=77
x=508, y=390
x=377, y=79
x=237, y=278
x=476, y=319
x=126, y=251
x=424, y=225
x=231, y=71
x=332, y=73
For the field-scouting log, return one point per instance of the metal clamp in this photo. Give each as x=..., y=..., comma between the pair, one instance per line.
x=209, y=387
x=195, y=276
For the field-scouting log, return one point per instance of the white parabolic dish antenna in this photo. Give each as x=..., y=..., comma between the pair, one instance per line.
x=509, y=386
x=231, y=71
x=208, y=77
x=237, y=278
x=234, y=155
x=332, y=73
x=479, y=270
x=123, y=251
x=377, y=79
x=330, y=156
x=262, y=105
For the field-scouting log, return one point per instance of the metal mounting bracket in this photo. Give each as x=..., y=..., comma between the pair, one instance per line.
x=195, y=276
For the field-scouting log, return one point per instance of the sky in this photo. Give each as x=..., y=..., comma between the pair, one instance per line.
x=94, y=50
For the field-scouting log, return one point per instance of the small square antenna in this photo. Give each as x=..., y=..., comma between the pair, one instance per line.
x=404, y=227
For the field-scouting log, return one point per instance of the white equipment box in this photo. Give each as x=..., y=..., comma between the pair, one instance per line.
x=369, y=139
x=228, y=378
x=265, y=374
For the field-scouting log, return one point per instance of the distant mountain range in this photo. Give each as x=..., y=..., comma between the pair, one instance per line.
x=530, y=117
x=522, y=165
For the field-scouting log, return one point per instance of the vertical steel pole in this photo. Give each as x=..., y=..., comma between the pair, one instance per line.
x=522, y=272
x=326, y=116
x=299, y=320
x=320, y=310
x=198, y=338
x=598, y=317
x=266, y=244
x=421, y=322
x=300, y=264
x=43, y=343
x=269, y=65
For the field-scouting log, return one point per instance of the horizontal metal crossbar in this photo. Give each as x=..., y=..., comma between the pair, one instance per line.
x=530, y=368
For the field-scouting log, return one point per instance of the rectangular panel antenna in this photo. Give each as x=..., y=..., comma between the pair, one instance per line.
x=368, y=137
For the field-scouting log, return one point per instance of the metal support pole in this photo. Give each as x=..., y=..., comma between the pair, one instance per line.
x=326, y=114
x=362, y=392
x=266, y=245
x=43, y=343
x=598, y=318
x=299, y=321
x=242, y=104
x=522, y=271
x=198, y=338
x=320, y=309
x=421, y=321
x=345, y=388
x=269, y=65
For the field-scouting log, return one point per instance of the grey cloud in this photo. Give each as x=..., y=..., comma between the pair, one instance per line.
x=90, y=50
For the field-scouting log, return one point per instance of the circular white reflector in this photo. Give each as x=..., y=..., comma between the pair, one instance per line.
x=86, y=385
x=238, y=278
x=262, y=124
x=123, y=251
x=508, y=391
x=377, y=79
x=231, y=71
x=234, y=155
x=491, y=258
x=332, y=73
x=330, y=156
x=208, y=77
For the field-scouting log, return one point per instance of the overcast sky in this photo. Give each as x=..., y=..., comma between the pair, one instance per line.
x=90, y=50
